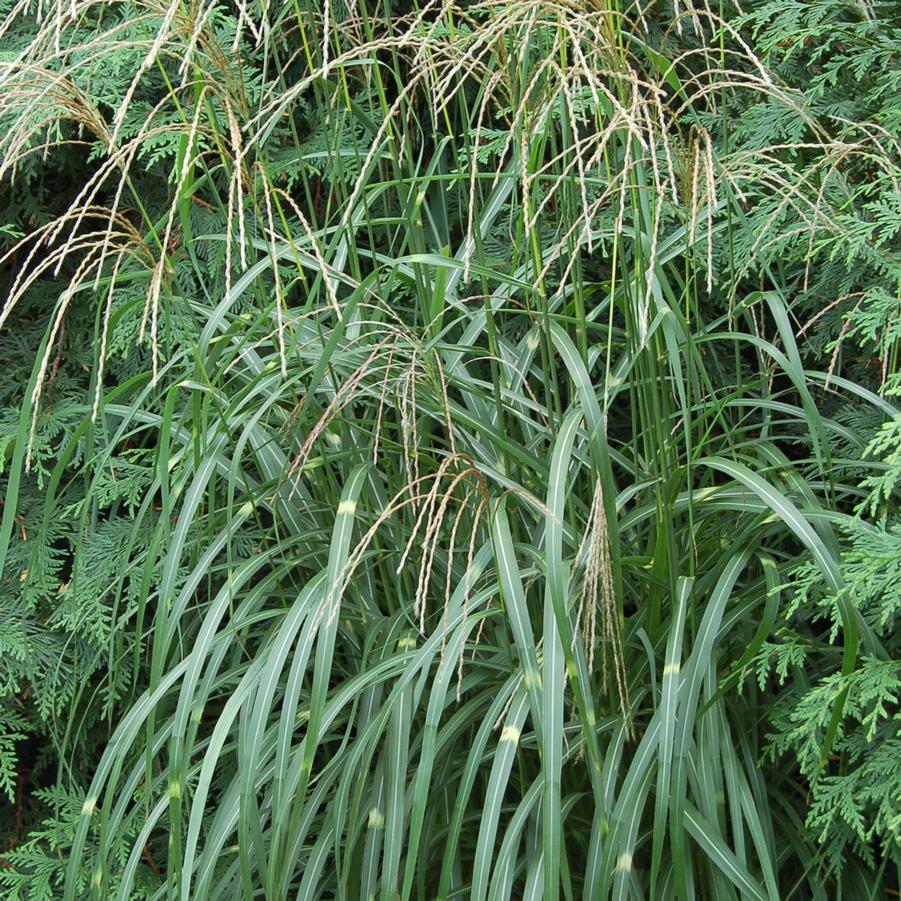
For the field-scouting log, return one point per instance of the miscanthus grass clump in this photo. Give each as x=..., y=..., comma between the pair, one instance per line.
x=450, y=449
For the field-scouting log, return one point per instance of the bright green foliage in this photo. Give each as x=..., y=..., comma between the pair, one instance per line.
x=856, y=793
x=843, y=59
x=447, y=451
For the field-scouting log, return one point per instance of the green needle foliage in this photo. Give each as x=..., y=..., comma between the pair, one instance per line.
x=449, y=449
